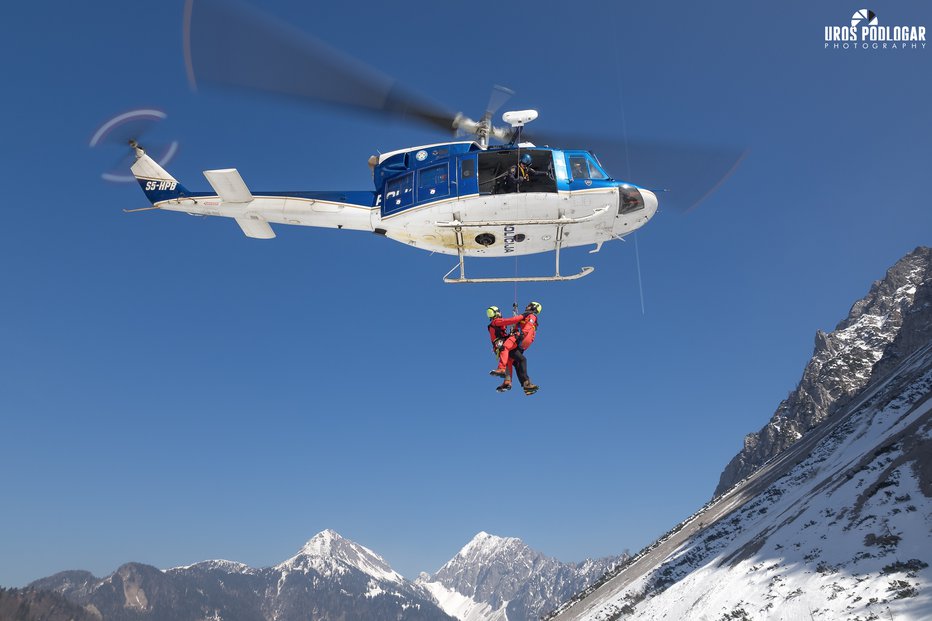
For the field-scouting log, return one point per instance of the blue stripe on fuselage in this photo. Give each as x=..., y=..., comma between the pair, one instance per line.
x=157, y=194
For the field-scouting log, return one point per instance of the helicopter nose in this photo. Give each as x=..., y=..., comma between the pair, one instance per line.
x=634, y=200
x=636, y=206
x=650, y=202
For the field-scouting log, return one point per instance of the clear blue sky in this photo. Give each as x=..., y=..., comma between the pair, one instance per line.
x=171, y=391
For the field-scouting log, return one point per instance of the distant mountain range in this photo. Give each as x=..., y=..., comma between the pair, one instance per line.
x=332, y=578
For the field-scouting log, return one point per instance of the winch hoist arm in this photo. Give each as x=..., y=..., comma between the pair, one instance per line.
x=560, y=222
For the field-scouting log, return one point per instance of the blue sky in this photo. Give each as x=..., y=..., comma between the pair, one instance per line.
x=171, y=391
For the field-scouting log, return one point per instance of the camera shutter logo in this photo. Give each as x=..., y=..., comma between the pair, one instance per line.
x=862, y=15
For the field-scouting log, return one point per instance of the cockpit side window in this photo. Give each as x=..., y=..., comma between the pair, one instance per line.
x=579, y=168
x=595, y=171
x=586, y=167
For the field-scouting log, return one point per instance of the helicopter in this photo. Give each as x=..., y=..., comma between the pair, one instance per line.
x=466, y=197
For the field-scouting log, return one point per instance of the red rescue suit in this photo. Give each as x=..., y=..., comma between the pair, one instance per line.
x=521, y=337
x=500, y=337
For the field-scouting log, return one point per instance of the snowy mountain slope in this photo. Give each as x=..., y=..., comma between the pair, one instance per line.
x=842, y=362
x=838, y=527
x=496, y=578
x=462, y=607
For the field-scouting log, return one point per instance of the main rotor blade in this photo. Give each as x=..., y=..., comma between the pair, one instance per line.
x=230, y=44
x=500, y=94
x=686, y=173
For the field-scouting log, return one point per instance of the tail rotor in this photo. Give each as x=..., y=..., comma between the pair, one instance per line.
x=125, y=130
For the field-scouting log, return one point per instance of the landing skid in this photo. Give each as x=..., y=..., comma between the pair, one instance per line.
x=555, y=278
x=560, y=222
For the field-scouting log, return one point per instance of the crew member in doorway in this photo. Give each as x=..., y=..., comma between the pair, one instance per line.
x=523, y=172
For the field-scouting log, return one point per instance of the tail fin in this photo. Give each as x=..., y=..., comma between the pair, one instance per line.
x=158, y=185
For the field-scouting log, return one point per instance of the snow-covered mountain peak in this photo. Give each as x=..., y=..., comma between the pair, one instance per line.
x=485, y=546
x=328, y=553
x=322, y=543
x=496, y=578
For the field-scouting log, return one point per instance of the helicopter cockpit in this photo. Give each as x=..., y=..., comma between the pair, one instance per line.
x=584, y=166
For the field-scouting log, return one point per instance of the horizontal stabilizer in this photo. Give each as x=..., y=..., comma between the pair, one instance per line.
x=255, y=228
x=229, y=186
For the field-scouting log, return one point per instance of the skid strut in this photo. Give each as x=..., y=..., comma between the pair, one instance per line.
x=560, y=223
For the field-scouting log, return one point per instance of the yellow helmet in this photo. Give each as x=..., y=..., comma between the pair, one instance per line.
x=493, y=312
x=535, y=307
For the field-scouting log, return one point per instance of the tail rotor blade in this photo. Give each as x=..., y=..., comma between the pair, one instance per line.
x=127, y=126
x=124, y=131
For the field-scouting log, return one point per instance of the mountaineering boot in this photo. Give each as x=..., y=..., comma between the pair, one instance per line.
x=506, y=385
x=529, y=388
x=499, y=372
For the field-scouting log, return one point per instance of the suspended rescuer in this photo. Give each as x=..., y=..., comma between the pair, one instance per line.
x=498, y=333
x=511, y=352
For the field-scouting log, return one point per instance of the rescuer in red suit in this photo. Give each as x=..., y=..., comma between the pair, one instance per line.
x=498, y=334
x=513, y=347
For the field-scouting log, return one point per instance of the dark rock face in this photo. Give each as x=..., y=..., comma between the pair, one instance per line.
x=514, y=579
x=39, y=605
x=881, y=329
x=136, y=591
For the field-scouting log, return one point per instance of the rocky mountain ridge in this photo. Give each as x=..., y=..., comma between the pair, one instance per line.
x=497, y=578
x=843, y=360
x=334, y=578
x=329, y=578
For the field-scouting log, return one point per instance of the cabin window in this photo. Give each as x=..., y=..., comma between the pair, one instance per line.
x=399, y=193
x=579, y=168
x=500, y=173
x=433, y=182
x=467, y=169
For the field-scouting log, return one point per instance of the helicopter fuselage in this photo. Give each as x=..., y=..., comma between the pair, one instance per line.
x=451, y=198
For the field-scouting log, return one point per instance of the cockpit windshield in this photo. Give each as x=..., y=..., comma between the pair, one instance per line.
x=585, y=166
x=595, y=169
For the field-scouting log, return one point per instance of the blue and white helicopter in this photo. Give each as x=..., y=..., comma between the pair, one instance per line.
x=465, y=197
